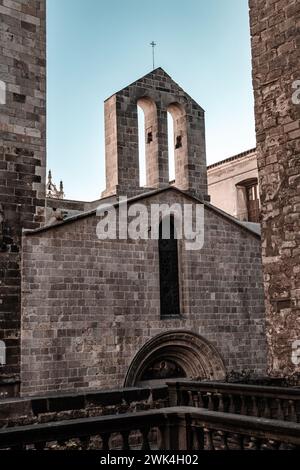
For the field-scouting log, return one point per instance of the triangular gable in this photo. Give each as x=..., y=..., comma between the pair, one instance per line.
x=147, y=195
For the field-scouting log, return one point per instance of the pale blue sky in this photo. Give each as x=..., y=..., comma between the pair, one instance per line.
x=96, y=47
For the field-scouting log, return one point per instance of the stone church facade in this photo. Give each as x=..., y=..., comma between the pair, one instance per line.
x=89, y=306
x=92, y=309
x=79, y=312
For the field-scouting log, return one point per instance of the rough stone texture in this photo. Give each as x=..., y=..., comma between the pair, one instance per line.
x=89, y=305
x=22, y=152
x=157, y=94
x=58, y=209
x=275, y=55
x=44, y=409
x=63, y=208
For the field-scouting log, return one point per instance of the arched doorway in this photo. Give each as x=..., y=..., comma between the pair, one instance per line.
x=175, y=354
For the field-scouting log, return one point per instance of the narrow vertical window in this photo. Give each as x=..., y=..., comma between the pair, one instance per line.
x=177, y=142
x=148, y=143
x=168, y=270
x=142, y=149
x=171, y=147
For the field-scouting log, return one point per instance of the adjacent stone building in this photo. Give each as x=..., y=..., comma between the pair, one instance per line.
x=233, y=186
x=276, y=82
x=22, y=156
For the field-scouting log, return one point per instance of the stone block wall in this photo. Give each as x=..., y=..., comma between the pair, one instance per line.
x=22, y=153
x=89, y=306
x=276, y=58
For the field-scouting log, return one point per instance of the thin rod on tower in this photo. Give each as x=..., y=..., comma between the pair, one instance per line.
x=153, y=44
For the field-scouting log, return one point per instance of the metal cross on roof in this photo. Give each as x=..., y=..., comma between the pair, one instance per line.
x=153, y=44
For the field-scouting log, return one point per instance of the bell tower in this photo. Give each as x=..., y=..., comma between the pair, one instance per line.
x=157, y=94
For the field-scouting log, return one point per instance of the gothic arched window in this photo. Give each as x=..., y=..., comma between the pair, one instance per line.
x=168, y=269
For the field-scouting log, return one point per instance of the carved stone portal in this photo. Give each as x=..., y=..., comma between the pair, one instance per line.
x=176, y=354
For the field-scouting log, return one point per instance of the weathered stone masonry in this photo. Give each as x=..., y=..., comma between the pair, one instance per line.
x=157, y=94
x=22, y=153
x=89, y=306
x=276, y=58
x=24, y=411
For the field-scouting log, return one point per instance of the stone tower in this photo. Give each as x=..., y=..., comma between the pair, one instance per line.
x=157, y=94
x=22, y=154
x=276, y=81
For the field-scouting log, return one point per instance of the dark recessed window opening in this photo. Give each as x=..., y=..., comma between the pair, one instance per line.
x=149, y=137
x=168, y=272
x=178, y=142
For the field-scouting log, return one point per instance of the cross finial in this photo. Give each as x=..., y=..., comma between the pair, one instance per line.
x=153, y=44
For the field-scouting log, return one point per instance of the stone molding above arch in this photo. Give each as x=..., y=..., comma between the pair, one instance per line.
x=193, y=353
